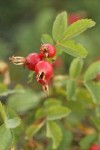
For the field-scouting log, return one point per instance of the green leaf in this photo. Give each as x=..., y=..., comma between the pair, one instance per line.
x=75, y=67
x=54, y=132
x=78, y=27
x=6, y=138
x=72, y=48
x=66, y=141
x=86, y=142
x=92, y=71
x=51, y=102
x=94, y=89
x=2, y=111
x=18, y=89
x=12, y=123
x=71, y=87
x=59, y=26
x=35, y=127
x=9, y=123
x=23, y=102
x=47, y=39
x=57, y=112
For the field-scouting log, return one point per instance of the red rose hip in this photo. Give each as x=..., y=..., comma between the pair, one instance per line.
x=47, y=50
x=73, y=17
x=95, y=147
x=31, y=60
x=44, y=72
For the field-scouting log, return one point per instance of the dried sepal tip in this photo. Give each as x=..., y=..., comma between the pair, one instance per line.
x=17, y=60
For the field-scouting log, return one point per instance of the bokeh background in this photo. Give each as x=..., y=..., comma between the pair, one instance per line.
x=23, y=22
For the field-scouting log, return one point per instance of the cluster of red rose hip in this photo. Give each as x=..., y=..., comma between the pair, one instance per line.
x=38, y=63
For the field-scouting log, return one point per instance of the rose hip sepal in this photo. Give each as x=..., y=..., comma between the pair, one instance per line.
x=47, y=51
x=29, y=62
x=44, y=72
x=95, y=147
